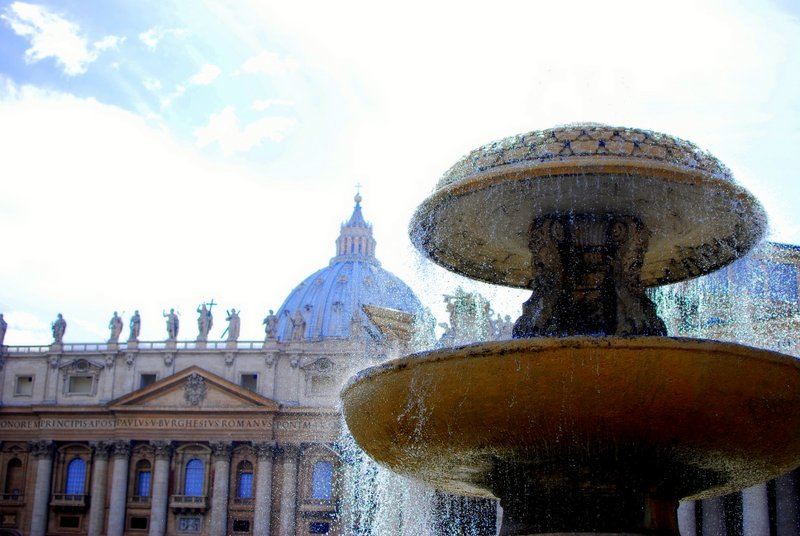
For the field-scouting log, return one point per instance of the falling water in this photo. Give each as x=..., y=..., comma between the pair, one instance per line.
x=379, y=502
x=752, y=301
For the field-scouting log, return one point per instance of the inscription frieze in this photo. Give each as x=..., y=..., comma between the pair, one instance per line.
x=150, y=423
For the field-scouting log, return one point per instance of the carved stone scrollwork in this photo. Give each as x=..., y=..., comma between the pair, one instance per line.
x=41, y=449
x=54, y=360
x=168, y=358
x=539, y=314
x=269, y=360
x=295, y=361
x=194, y=390
x=229, y=358
x=587, y=278
x=100, y=449
x=288, y=450
x=636, y=313
x=121, y=449
x=109, y=359
x=264, y=450
x=221, y=450
x=129, y=359
x=162, y=449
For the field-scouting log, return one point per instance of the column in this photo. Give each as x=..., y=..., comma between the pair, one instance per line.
x=714, y=517
x=786, y=505
x=121, y=451
x=687, y=518
x=289, y=452
x=160, y=498
x=755, y=510
x=221, y=456
x=97, y=506
x=263, y=501
x=43, y=453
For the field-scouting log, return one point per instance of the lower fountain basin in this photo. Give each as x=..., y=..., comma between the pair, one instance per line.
x=583, y=427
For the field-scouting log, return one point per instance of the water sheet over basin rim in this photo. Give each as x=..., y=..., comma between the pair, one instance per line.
x=479, y=226
x=442, y=416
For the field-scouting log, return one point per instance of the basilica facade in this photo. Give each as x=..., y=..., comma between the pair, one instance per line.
x=180, y=437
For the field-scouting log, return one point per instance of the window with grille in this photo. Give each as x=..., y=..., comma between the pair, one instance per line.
x=322, y=480
x=244, y=489
x=143, y=477
x=76, y=477
x=195, y=474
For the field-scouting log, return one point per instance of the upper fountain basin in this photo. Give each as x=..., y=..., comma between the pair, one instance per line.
x=477, y=221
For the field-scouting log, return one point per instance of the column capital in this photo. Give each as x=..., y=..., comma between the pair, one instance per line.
x=41, y=449
x=121, y=448
x=287, y=450
x=163, y=449
x=100, y=449
x=221, y=450
x=265, y=450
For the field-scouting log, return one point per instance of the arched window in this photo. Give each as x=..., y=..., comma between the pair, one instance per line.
x=322, y=480
x=76, y=477
x=244, y=485
x=14, y=477
x=143, y=478
x=195, y=474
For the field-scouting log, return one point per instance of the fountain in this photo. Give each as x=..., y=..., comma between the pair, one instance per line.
x=591, y=420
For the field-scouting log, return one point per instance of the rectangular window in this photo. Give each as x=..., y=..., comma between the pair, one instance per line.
x=319, y=527
x=322, y=385
x=138, y=523
x=81, y=385
x=250, y=381
x=69, y=522
x=24, y=386
x=143, y=484
x=146, y=379
x=189, y=524
x=241, y=525
x=245, y=490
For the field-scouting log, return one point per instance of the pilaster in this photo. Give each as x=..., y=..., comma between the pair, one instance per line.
x=289, y=452
x=97, y=506
x=160, y=499
x=42, y=452
x=121, y=451
x=265, y=452
x=221, y=457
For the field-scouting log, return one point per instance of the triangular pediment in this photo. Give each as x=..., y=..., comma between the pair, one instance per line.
x=193, y=389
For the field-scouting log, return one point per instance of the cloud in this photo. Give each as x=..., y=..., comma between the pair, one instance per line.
x=152, y=84
x=153, y=36
x=269, y=63
x=263, y=104
x=52, y=36
x=207, y=74
x=109, y=41
x=224, y=128
x=113, y=181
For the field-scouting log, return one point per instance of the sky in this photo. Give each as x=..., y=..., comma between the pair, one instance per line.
x=158, y=154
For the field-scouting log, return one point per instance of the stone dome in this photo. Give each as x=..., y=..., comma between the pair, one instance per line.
x=330, y=299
